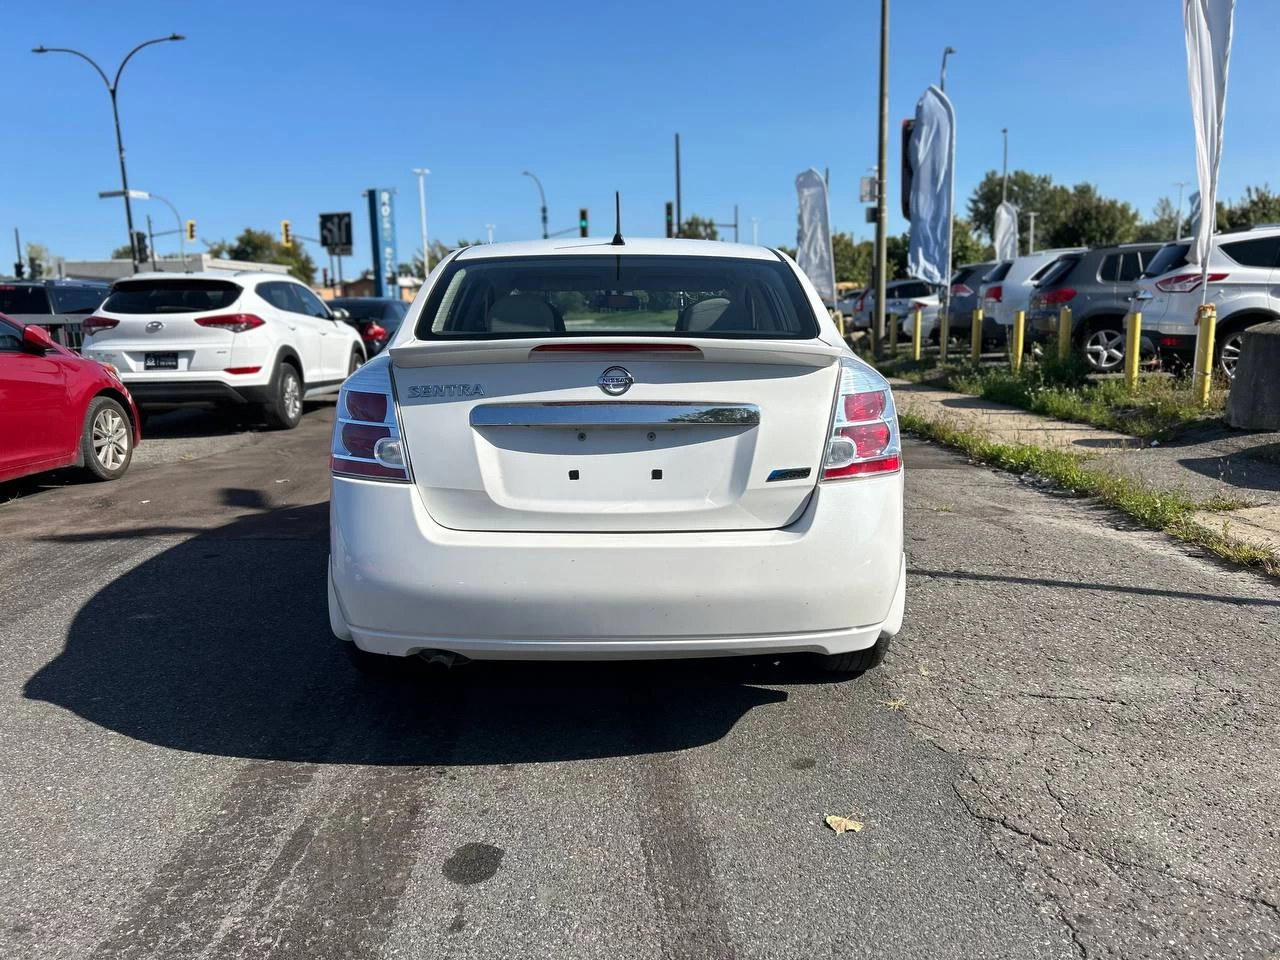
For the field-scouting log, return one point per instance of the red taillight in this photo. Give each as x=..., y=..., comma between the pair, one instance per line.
x=235, y=322
x=995, y=294
x=366, y=437
x=961, y=290
x=1053, y=297
x=1185, y=282
x=864, y=437
x=91, y=325
x=241, y=370
x=919, y=305
x=375, y=331
x=1170, y=341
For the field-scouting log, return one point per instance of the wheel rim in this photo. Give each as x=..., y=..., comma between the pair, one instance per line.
x=355, y=363
x=110, y=439
x=292, y=396
x=1105, y=349
x=1231, y=354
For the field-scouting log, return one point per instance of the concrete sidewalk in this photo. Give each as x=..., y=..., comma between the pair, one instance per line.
x=1200, y=464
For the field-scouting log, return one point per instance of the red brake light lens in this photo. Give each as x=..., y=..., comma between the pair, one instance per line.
x=861, y=407
x=375, y=331
x=366, y=437
x=1061, y=295
x=1186, y=282
x=864, y=437
x=996, y=293
x=91, y=325
x=369, y=407
x=961, y=290
x=235, y=322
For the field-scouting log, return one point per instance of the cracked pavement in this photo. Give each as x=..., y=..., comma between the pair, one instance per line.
x=1071, y=751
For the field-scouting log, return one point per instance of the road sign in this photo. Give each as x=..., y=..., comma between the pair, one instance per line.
x=335, y=233
x=867, y=190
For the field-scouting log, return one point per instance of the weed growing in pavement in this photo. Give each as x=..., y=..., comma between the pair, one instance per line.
x=1170, y=512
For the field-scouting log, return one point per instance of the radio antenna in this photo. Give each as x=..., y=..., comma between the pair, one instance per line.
x=617, y=220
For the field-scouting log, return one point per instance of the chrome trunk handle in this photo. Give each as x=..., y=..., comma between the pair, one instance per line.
x=611, y=413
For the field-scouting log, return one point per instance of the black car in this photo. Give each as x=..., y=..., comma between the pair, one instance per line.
x=1096, y=285
x=965, y=283
x=57, y=305
x=377, y=318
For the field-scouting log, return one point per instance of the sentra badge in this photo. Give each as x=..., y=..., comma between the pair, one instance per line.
x=441, y=391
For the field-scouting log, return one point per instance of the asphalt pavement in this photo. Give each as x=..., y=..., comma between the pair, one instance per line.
x=1071, y=751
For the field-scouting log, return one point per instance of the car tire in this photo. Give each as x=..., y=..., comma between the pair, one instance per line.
x=284, y=410
x=1227, y=349
x=1104, y=345
x=854, y=661
x=357, y=361
x=106, y=441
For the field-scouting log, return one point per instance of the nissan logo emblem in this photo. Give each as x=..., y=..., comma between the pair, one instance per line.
x=615, y=381
x=155, y=326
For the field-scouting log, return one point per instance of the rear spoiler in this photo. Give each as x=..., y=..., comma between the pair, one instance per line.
x=799, y=353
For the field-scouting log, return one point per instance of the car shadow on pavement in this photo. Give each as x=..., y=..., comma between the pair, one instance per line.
x=221, y=645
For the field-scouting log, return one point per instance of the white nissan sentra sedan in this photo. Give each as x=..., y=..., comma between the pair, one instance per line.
x=646, y=449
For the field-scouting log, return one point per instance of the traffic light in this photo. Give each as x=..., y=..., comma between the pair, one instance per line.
x=191, y=229
x=582, y=222
x=671, y=219
x=140, y=246
x=286, y=233
x=19, y=270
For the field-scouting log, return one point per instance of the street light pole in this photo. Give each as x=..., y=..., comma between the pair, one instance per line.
x=541, y=196
x=1004, y=183
x=112, y=87
x=942, y=80
x=1031, y=231
x=882, y=212
x=422, y=213
x=1178, y=221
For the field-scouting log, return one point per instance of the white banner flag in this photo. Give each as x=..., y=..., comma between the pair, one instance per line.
x=1004, y=233
x=932, y=155
x=813, y=236
x=1208, y=26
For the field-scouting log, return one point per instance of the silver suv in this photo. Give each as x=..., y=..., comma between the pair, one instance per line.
x=1244, y=268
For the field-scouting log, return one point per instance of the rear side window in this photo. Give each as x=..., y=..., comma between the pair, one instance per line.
x=999, y=273
x=1058, y=271
x=583, y=296
x=10, y=338
x=1171, y=256
x=180, y=295
x=78, y=299
x=1130, y=266
x=15, y=299
x=911, y=290
x=1110, y=269
x=1257, y=252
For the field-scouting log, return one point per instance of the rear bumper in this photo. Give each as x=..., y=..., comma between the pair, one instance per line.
x=173, y=392
x=831, y=582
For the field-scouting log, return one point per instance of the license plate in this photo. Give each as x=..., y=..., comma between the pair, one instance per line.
x=160, y=361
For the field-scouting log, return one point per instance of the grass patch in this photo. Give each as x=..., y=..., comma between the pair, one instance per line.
x=1158, y=408
x=1168, y=512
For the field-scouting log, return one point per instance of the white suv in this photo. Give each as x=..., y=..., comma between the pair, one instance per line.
x=1244, y=268
x=1008, y=288
x=243, y=338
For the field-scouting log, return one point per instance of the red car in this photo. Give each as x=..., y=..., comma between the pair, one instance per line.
x=58, y=409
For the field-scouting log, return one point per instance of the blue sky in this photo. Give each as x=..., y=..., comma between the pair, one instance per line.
x=284, y=110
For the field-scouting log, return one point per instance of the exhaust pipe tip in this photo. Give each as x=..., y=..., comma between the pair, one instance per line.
x=440, y=659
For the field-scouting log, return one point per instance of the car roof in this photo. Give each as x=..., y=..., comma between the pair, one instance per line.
x=241, y=276
x=634, y=246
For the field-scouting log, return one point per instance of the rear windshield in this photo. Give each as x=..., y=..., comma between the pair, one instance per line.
x=999, y=273
x=1057, y=271
x=1171, y=257
x=179, y=295
x=16, y=299
x=78, y=299
x=620, y=295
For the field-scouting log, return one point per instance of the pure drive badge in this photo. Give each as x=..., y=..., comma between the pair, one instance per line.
x=438, y=391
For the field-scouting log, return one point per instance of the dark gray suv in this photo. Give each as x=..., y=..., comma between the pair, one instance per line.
x=1096, y=285
x=57, y=305
x=965, y=282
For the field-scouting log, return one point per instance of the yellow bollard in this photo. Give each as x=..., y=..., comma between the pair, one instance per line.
x=1202, y=378
x=1019, y=335
x=916, y=345
x=944, y=334
x=1132, y=350
x=975, y=335
x=1064, y=334
x=894, y=323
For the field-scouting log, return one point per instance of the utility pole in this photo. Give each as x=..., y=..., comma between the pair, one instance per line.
x=1004, y=185
x=151, y=243
x=679, y=213
x=1178, y=223
x=882, y=192
x=422, y=213
x=735, y=223
x=1031, y=231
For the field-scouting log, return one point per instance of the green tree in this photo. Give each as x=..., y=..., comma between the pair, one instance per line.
x=261, y=246
x=121, y=253
x=439, y=251
x=1162, y=226
x=1092, y=220
x=1259, y=205
x=853, y=260
x=966, y=246
x=1027, y=191
x=697, y=228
